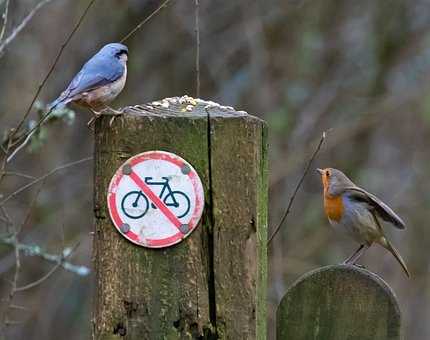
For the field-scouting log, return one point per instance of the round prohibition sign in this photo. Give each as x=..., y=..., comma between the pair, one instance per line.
x=155, y=199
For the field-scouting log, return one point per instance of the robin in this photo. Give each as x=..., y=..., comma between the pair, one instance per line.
x=356, y=212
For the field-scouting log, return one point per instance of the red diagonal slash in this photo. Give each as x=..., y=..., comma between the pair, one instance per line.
x=155, y=199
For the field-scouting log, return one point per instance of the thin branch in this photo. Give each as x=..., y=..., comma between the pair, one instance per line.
x=197, y=30
x=12, y=322
x=5, y=15
x=31, y=207
x=14, y=242
x=42, y=178
x=35, y=250
x=3, y=220
x=39, y=281
x=42, y=84
x=144, y=21
x=19, y=307
x=3, y=162
x=28, y=136
x=18, y=174
x=49, y=273
x=3, y=149
x=21, y=26
x=299, y=184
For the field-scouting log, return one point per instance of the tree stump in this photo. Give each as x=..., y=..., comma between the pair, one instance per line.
x=339, y=303
x=212, y=285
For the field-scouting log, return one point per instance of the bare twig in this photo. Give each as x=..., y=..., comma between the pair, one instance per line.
x=5, y=15
x=293, y=196
x=51, y=69
x=14, y=283
x=18, y=174
x=31, y=207
x=12, y=322
x=39, y=281
x=35, y=250
x=21, y=26
x=3, y=149
x=19, y=307
x=3, y=162
x=28, y=136
x=3, y=220
x=197, y=31
x=59, y=263
x=144, y=21
x=42, y=178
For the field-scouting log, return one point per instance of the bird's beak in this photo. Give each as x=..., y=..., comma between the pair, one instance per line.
x=320, y=171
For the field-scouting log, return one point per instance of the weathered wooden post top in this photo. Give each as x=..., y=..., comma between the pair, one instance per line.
x=339, y=303
x=211, y=284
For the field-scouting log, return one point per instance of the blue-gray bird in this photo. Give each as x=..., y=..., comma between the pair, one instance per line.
x=100, y=81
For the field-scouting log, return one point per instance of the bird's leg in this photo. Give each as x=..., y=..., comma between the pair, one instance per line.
x=356, y=255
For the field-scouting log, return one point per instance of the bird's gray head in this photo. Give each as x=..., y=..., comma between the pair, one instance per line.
x=334, y=181
x=115, y=50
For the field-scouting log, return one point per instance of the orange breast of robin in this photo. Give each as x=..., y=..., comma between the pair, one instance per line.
x=333, y=207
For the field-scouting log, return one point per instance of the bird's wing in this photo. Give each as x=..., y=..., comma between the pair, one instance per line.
x=383, y=210
x=97, y=72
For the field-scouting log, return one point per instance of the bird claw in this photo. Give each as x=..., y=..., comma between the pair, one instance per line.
x=111, y=112
x=91, y=123
x=359, y=266
x=116, y=113
x=349, y=263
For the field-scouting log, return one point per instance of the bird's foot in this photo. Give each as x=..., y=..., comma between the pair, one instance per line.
x=108, y=111
x=92, y=121
x=349, y=263
x=359, y=266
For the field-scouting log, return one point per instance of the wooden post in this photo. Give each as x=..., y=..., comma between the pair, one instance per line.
x=338, y=303
x=212, y=285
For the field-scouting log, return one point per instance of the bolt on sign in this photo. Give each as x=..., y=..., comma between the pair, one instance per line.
x=155, y=199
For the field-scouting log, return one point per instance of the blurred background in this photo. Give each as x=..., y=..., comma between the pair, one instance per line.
x=361, y=68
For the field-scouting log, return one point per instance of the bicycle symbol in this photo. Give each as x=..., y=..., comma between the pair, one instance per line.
x=135, y=204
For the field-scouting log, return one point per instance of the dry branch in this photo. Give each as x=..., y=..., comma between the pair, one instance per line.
x=21, y=26
x=42, y=178
x=299, y=184
x=144, y=21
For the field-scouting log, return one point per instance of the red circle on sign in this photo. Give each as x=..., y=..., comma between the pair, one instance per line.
x=155, y=199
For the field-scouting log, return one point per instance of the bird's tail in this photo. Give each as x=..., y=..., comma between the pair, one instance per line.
x=396, y=254
x=60, y=102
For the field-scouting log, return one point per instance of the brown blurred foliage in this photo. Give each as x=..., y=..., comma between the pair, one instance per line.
x=358, y=67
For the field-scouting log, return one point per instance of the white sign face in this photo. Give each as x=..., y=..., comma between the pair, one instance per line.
x=155, y=199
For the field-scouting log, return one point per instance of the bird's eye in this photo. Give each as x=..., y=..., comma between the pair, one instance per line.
x=327, y=173
x=120, y=53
